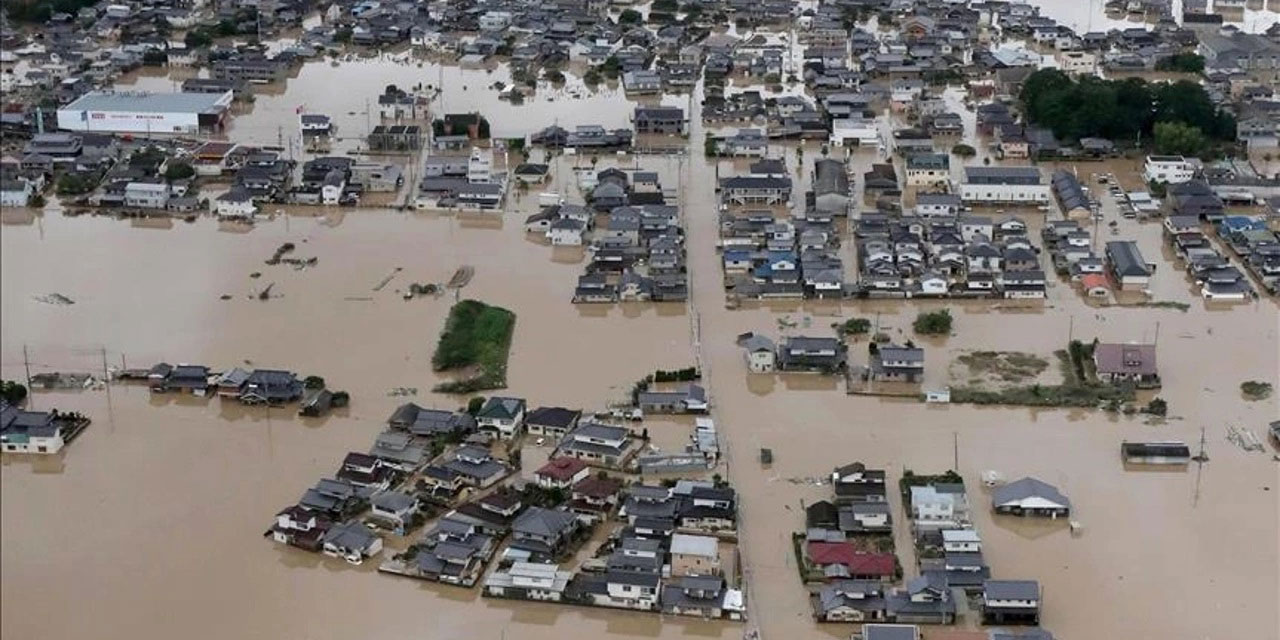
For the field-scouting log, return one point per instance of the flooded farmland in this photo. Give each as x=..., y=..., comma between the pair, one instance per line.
x=160, y=506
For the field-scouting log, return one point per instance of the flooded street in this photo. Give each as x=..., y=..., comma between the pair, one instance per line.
x=160, y=505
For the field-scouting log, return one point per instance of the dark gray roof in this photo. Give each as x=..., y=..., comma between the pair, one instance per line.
x=537, y=521
x=1011, y=590
x=501, y=408
x=1126, y=259
x=1028, y=488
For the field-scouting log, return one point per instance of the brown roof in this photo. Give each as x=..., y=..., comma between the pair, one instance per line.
x=597, y=487
x=1132, y=359
x=561, y=468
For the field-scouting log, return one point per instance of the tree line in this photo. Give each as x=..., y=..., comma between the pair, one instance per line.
x=1129, y=109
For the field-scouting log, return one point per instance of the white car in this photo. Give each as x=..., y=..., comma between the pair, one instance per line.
x=539, y=442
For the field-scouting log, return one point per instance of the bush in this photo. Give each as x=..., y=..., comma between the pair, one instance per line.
x=1256, y=390
x=679, y=375
x=1186, y=62
x=475, y=404
x=591, y=77
x=630, y=16
x=964, y=151
x=198, y=38
x=36, y=202
x=340, y=399
x=934, y=323
x=855, y=326
x=74, y=184
x=313, y=382
x=179, y=171
x=1157, y=407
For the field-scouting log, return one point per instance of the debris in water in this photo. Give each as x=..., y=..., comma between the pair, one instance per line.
x=265, y=294
x=225, y=296
x=380, y=285
x=283, y=249
x=428, y=289
x=403, y=391
x=462, y=276
x=55, y=298
x=256, y=274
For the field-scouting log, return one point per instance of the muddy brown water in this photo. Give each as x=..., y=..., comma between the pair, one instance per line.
x=159, y=506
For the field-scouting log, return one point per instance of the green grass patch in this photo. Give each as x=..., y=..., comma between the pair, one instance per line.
x=1062, y=395
x=476, y=336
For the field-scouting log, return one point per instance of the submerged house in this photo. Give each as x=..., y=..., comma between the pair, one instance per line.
x=1133, y=364
x=270, y=386
x=1030, y=497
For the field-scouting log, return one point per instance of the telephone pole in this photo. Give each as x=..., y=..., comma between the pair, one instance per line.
x=26, y=366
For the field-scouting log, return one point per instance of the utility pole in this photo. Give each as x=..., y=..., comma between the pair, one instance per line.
x=955, y=451
x=26, y=365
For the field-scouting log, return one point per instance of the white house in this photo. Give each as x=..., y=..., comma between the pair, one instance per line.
x=236, y=204
x=566, y=232
x=856, y=132
x=933, y=509
x=761, y=353
x=146, y=195
x=1168, y=169
x=937, y=205
x=29, y=432
x=502, y=415
x=629, y=590
x=529, y=581
x=16, y=192
x=1077, y=62
x=961, y=541
x=995, y=185
x=928, y=169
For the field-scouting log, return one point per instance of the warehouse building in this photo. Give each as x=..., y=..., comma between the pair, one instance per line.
x=146, y=113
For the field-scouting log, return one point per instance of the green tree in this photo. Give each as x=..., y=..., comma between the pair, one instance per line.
x=1185, y=62
x=933, y=323
x=198, y=38
x=475, y=404
x=964, y=151
x=1175, y=138
x=74, y=184
x=12, y=392
x=630, y=16
x=179, y=171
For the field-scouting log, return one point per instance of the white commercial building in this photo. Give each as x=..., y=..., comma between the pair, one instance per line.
x=145, y=113
x=1168, y=169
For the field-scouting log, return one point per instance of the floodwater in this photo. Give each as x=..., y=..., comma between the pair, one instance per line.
x=159, y=506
